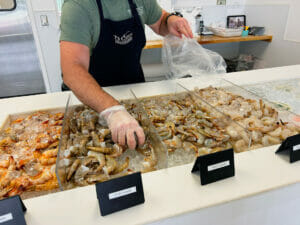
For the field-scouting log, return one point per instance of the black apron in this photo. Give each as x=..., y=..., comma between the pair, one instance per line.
x=116, y=58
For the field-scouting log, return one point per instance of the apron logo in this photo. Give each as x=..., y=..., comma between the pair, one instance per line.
x=125, y=39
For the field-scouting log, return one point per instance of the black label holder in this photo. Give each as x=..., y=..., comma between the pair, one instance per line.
x=120, y=193
x=292, y=145
x=214, y=167
x=12, y=211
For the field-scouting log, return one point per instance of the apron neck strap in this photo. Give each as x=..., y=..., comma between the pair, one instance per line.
x=100, y=10
x=134, y=11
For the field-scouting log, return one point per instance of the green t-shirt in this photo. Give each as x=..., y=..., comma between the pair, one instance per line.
x=80, y=19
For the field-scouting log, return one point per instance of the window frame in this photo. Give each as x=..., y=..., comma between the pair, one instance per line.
x=12, y=9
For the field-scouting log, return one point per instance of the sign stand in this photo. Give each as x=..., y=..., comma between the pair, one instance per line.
x=120, y=193
x=292, y=145
x=12, y=211
x=214, y=167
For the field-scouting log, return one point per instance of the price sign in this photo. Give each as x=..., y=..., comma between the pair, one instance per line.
x=215, y=167
x=12, y=211
x=120, y=193
x=292, y=146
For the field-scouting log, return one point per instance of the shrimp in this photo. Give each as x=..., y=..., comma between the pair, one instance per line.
x=42, y=141
x=5, y=191
x=150, y=162
x=6, y=141
x=73, y=168
x=121, y=168
x=111, y=165
x=96, y=140
x=118, y=150
x=46, y=176
x=47, y=161
x=4, y=161
x=96, y=178
x=104, y=133
x=269, y=140
x=187, y=146
x=240, y=146
x=100, y=149
x=50, y=153
x=204, y=151
x=276, y=133
x=285, y=133
x=175, y=142
x=80, y=174
x=100, y=157
x=256, y=136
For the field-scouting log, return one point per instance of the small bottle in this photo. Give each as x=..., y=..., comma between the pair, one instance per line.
x=199, y=24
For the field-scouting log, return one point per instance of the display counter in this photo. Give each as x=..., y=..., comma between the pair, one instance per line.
x=263, y=180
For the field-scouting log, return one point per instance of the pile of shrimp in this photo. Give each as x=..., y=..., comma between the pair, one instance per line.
x=187, y=125
x=28, y=150
x=260, y=120
x=88, y=154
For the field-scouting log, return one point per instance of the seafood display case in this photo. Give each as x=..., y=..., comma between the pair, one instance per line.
x=28, y=149
x=284, y=93
x=188, y=126
x=181, y=122
x=46, y=149
x=266, y=123
x=179, y=126
x=87, y=154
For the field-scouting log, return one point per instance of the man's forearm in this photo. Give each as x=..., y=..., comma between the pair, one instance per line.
x=87, y=89
x=163, y=28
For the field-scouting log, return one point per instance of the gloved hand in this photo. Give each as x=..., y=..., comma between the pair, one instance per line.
x=123, y=126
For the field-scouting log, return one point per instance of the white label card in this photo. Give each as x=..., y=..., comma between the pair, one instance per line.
x=296, y=148
x=122, y=193
x=6, y=217
x=218, y=165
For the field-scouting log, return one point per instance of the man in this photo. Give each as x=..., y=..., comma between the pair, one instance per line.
x=101, y=43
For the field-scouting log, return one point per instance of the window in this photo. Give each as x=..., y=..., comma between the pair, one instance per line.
x=7, y=5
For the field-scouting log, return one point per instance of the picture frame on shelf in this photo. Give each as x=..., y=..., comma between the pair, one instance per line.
x=235, y=22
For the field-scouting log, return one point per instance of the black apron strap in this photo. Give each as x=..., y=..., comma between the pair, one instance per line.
x=134, y=12
x=101, y=11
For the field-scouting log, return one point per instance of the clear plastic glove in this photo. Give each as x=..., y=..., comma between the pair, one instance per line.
x=124, y=128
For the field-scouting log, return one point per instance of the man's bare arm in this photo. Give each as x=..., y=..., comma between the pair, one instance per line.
x=75, y=59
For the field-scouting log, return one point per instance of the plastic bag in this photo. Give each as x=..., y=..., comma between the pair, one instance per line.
x=183, y=57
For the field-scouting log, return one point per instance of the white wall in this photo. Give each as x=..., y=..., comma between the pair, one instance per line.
x=275, y=15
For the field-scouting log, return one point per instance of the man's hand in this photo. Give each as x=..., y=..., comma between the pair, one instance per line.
x=175, y=25
x=179, y=26
x=124, y=128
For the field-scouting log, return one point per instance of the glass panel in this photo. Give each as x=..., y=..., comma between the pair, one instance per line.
x=267, y=123
x=283, y=93
x=88, y=155
x=188, y=126
x=7, y=5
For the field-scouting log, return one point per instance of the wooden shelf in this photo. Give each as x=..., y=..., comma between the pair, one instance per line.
x=215, y=40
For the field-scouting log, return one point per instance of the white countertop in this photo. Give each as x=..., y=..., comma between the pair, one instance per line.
x=168, y=192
